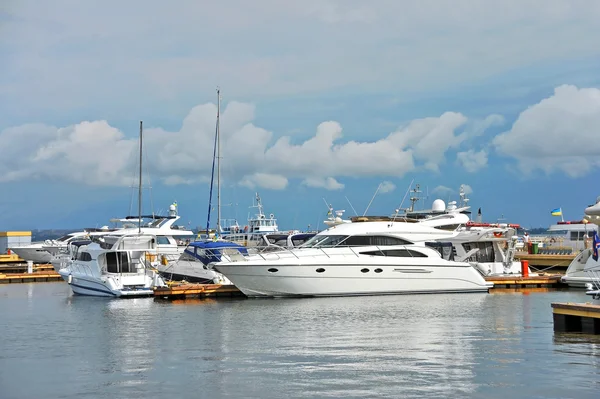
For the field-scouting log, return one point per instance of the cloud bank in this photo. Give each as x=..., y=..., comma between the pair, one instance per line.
x=557, y=135
x=96, y=153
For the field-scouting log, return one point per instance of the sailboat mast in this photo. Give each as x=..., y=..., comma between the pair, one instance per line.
x=140, y=186
x=218, y=162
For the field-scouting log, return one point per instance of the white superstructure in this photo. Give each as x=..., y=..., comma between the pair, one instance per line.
x=359, y=258
x=118, y=267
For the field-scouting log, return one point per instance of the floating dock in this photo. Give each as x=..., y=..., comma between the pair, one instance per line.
x=10, y=258
x=22, y=268
x=576, y=317
x=35, y=277
x=197, y=291
x=502, y=282
x=547, y=260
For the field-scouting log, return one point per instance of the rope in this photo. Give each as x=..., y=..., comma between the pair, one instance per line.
x=542, y=270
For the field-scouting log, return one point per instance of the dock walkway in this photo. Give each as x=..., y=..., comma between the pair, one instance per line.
x=576, y=317
x=197, y=291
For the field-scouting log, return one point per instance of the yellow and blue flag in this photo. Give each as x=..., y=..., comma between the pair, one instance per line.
x=556, y=212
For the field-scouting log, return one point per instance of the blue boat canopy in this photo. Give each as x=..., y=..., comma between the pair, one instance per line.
x=207, y=251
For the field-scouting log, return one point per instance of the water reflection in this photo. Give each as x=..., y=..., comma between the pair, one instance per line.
x=398, y=346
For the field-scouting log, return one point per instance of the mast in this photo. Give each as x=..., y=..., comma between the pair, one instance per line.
x=218, y=162
x=212, y=176
x=140, y=186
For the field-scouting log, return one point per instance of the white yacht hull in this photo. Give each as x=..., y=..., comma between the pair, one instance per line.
x=121, y=286
x=576, y=281
x=578, y=273
x=255, y=280
x=36, y=254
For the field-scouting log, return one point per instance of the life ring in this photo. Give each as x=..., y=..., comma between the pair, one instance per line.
x=497, y=234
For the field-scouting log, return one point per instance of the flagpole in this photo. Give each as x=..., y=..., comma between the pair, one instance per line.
x=562, y=219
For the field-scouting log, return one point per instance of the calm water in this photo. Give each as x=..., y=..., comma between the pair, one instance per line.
x=55, y=345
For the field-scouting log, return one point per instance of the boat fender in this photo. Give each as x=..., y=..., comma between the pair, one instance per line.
x=70, y=279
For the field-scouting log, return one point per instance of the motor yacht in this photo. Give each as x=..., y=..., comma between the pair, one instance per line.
x=118, y=266
x=358, y=258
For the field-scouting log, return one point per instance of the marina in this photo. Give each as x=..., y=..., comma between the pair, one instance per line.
x=303, y=200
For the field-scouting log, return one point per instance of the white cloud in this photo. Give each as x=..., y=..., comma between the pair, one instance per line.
x=96, y=153
x=478, y=126
x=328, y=183
x=89, y=152
x=471, y=160
x=558, y=134
x=265, y=180
x=387, y=187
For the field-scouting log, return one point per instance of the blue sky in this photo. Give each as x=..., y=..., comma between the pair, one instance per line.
x=321, y=100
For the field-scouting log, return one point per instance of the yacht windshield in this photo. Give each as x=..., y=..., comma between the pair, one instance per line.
x=323, y=241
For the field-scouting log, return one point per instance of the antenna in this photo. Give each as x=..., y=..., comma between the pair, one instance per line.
x=368, y=206
x=413, y=200
x=354, y=210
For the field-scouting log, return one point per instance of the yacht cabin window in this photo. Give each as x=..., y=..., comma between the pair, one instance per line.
x=399, y=253
x=581, y=235
x=118, y=262
x=365, y=241
x=485, y=251
x=162, y=240
x=84, y=257
x=353, y=241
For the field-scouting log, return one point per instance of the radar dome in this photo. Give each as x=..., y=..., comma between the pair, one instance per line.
x=438, y=206
x=172, y=207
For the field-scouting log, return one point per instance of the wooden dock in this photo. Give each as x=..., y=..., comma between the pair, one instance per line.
x=12, y=258
x=35, y=277
x=197, y=291
x=22, y=268
x=503, y=282
x=576, y=317
x=547, y=260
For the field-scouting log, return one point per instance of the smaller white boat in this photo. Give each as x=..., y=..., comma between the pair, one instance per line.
x=582, y=269
x=192, y=265
x=118, y=267
x=250, y=235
